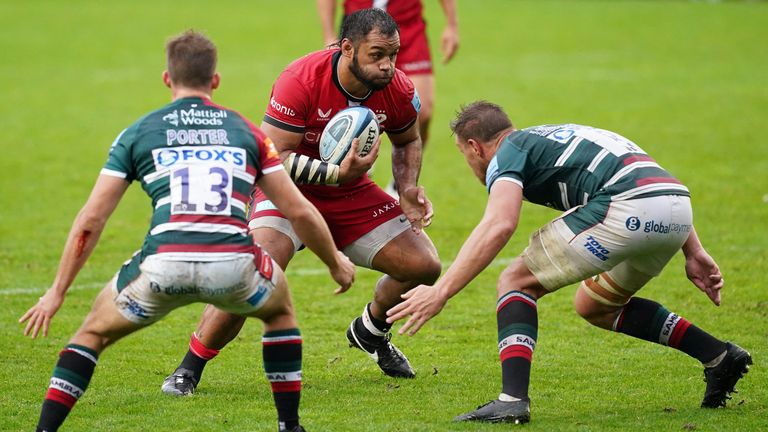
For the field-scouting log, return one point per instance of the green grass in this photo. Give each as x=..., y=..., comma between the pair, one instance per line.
x=685, y=80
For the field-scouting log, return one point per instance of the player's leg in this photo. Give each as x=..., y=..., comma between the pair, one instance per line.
x=217, y=327
x=607, y=300
x=407, y=260
x=103, y=326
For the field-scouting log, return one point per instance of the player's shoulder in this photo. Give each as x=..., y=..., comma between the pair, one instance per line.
x=311, y=65
x=401, y=85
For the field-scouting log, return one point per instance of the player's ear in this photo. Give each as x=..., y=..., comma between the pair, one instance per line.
x=476, y=147
x=215, y=81
x=347, y=48
x=167, y=79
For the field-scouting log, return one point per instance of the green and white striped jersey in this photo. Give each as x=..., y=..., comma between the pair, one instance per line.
x=567, y=165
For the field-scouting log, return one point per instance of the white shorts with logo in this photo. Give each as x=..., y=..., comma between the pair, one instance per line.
x=631, y=241
x=235, y=285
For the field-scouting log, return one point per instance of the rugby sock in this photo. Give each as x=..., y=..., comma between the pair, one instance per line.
x=369, y=328
x=518, y=324
x=282, y=364
x=70, y=378
x=197, y=357
x=645, y=319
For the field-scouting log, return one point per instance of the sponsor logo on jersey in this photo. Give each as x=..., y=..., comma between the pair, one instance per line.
x=312, y=137
x=196, y=136
x=325, y=114
x=385, y=208
x=181, y=290
x=596, y=248
x=632, y=223
x=277, y=106
x=202, y=117
x=172, y=118
x=662, y=228
x=166, y=157
x=381, y=116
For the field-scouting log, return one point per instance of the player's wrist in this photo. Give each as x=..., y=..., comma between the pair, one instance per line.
x=306, y=170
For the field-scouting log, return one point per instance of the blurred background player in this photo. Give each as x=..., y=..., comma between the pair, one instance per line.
x=414, y=57
x=371, y=227
x=625, y=218
x=198, y=248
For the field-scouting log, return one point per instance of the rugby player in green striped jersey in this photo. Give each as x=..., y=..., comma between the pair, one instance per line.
x=198, y=162
x=624, y=218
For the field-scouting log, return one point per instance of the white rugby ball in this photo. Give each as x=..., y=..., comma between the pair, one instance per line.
x=350, y=123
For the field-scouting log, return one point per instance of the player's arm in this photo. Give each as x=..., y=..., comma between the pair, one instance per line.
x=449, y=41
x=326, y=10
x=309, y=226
x=406, y=166
x=485, y=242
x=701, y=269
x=83, y=236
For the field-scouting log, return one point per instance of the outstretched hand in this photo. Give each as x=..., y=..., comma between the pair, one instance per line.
x=702, y=270
x=343, y=273
x=39, y=316
x=421, y=303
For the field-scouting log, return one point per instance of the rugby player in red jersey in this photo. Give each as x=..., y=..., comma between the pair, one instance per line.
x=198, y=176
x=371, y=228
x=414, y=57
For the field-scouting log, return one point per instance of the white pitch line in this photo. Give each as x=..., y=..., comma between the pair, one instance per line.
x=299, y=271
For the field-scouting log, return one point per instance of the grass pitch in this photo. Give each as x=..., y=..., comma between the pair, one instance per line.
x=685, y=80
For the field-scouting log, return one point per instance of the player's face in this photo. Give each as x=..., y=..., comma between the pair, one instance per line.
x=373, y=62
x=474, y=160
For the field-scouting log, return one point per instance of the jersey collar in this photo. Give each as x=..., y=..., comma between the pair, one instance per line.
x=335, y=75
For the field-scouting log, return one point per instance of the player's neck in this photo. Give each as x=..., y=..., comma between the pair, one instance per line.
x=185, y=92
x=350, y=83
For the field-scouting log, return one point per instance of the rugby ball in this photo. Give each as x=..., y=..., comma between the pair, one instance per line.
x=350, y=123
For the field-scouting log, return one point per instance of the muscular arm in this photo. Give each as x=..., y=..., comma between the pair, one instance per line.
x=326, y=10
x=481, y=247
x=82, y=239
x=406, y=157
x=449, y=41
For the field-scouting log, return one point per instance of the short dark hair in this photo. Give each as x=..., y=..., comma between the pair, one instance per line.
x=359, y=24
x=480, y=120
x=191, y=59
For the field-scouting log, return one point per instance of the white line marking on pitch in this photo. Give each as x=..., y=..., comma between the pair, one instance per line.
x=298, y=271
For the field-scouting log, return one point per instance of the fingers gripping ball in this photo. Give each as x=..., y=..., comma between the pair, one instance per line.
x=350, y=123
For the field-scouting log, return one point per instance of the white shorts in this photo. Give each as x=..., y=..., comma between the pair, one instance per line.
x=629, y=240
x=157, y=286
x=361, y=251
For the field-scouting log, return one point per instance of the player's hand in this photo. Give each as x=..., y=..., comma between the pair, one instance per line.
x=421, y=303
x=354, y=165
x=702, y=270
x=449, y=43
x=39, y=316
x=416, y=207
x=343, y=273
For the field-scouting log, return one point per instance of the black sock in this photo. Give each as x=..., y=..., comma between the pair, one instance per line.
x=197, y=357
x=518, y=323
x=375, y=329
x=645, y=319
x=69, y=381
x=282, y=364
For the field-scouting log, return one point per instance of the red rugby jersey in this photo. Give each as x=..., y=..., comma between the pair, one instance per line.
x=308, y=93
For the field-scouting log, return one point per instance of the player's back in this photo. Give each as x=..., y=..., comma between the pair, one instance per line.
x=197, y=162
x=563, y=166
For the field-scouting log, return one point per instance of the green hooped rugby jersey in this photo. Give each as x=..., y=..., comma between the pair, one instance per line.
x=198, y=163
x=567, y=165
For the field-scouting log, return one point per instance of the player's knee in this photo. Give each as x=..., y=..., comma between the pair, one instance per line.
x=595, y=309
x=517, y=277
x=430, y=271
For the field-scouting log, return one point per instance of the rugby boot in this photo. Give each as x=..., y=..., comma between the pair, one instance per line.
x=390, y=359
x=721, y=379
x=181, y=382
x=498, y=411
x=297, y=428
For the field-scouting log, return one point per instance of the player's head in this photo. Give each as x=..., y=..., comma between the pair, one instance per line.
x=191, y=60
x=477, y=128
x=370, y=38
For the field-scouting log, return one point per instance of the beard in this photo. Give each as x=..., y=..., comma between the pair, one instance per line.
x=369, y=80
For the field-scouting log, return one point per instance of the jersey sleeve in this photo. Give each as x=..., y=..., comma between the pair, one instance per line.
x=288, y=103
x=407, y=104
x=268, y=159
x=506, y=165
x=119, y=160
